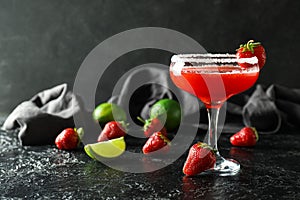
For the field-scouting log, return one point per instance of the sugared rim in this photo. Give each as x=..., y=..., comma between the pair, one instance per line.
x=207, y=55
x=212, y=58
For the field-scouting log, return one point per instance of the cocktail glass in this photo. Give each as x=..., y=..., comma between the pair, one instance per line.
x=213, y=78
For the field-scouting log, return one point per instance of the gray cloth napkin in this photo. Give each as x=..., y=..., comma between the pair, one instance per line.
x=261, y=112
x=44, y=116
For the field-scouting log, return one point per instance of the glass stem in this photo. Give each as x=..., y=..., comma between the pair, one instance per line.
x=213, y=115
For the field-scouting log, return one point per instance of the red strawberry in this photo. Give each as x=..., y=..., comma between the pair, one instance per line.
x=68, y=139
x=153, y=125
x=252, y=49
x=200, y=158
x=156, y=141
x=111, y=130
x=247, y=136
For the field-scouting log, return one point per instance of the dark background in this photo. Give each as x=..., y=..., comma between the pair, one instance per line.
x=43, y=43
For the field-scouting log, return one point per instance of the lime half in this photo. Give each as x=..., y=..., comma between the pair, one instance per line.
x=108, y=149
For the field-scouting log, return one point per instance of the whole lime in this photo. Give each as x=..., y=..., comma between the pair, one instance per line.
x=106, y=112
x=168, y=111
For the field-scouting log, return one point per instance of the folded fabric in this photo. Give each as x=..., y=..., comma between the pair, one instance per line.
x=287, y=100
x=44, y=116
x=261, y=112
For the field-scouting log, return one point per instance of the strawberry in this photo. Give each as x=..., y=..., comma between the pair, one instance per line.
x=247, y=136
x=156, y=141
x=153, y=125
x=200, y=158
x=111, y=130
x=69, y=139
x=249, y=50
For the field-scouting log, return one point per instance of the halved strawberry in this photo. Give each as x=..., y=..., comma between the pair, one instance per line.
x=249, y=50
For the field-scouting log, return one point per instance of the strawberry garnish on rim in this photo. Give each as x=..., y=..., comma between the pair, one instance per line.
x=251, y=49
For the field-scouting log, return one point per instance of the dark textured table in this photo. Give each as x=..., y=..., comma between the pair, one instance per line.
x=270, y=170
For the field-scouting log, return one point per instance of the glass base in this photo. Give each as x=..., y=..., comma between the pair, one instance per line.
x=224, y=167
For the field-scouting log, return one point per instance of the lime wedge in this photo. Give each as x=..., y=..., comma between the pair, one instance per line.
x=108, y=149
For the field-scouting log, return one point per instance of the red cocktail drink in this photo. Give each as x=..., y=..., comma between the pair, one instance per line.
x=213, y=85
